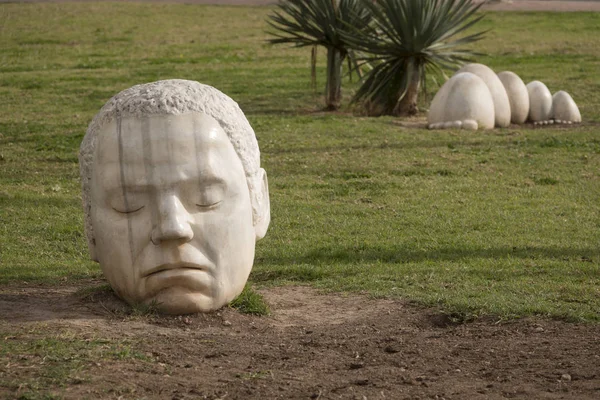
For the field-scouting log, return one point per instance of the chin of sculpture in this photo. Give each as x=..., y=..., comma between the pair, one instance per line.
x=518, y=97
x=173, y=195
x=564, y=109
x=540, y=102
x=463, y=102
x=500, y=98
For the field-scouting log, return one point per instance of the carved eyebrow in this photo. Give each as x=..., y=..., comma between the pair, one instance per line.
x=118, y=189
x=206, y=180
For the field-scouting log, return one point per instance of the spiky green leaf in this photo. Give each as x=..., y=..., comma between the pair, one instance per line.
x=408, y=37
x=320, y=23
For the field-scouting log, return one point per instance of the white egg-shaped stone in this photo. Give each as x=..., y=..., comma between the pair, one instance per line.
x=435, y=116
x=456, y=124
x=452, y=125
x=470, y=125
x=465, y=97
x=540, y=101
x=517, y=96
x=564, y=107
x=496, y=88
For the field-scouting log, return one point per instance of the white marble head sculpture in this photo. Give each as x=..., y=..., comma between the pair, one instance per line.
x=173, y=195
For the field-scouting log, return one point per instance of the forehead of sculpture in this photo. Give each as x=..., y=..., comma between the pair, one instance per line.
x=158, y=139
x=162, y=150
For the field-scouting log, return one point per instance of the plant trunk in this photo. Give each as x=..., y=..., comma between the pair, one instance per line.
x=408, y=104
x=333, y=90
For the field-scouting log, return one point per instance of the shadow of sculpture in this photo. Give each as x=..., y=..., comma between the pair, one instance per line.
x=370, y=254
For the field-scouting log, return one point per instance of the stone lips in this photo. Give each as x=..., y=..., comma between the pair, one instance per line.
x=496, y=88
x=518, y=96
x=540, y=102
x=564, y=108
x=464, y=101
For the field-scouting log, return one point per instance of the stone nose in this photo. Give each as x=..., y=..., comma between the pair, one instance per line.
x=173, y=222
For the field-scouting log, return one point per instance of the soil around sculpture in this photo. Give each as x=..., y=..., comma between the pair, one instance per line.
x=379, y=349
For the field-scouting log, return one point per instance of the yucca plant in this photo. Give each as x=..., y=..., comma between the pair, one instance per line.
x=406, y=40
x=321, y=23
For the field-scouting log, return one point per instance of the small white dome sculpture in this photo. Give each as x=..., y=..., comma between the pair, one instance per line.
x=518, y=96
x=496, y=88
x=463, y=102
x=564, y=108
x=540, y=102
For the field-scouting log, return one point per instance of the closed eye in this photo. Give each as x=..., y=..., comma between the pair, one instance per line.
x=209, y=206
x=210, y=196
x=128, y=211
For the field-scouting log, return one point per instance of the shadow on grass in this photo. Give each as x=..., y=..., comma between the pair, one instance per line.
x=314, y=265
x=364, y=254
x=383, y=143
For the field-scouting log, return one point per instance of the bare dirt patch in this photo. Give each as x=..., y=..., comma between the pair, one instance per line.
x=313, y=346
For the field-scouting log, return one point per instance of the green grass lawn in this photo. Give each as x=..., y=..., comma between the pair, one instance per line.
x=502, y=222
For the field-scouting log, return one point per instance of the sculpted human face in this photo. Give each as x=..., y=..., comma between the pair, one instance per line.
x=171, y=212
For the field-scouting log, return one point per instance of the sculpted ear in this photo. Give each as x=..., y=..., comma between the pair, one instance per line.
x=89, y=229
x=261, y=206
x=92, y=250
